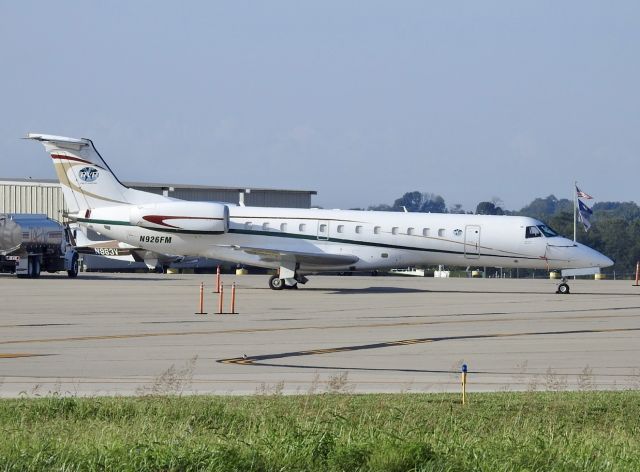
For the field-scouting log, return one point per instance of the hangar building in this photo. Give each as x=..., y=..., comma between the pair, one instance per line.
x=45, y=195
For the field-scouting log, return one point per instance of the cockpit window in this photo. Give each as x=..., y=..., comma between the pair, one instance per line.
x=548, y=232
x=533, y=232
x=539, y=231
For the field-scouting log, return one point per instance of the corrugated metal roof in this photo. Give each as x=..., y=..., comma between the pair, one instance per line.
x=54, y=182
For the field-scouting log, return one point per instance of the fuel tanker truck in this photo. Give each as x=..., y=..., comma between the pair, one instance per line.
x=31, y=243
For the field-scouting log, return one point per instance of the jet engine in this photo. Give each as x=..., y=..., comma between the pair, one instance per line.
x=200, y=217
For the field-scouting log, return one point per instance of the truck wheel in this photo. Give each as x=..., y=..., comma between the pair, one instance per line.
x=34, y=266
x=73, y=272
x=29, y=267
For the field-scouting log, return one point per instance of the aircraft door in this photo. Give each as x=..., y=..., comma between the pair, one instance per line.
x=472, y=242
x=323, y=230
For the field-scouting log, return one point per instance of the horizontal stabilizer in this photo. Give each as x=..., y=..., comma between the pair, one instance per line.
x=60, y=141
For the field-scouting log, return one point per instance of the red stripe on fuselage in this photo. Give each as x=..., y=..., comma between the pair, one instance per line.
x=70, y=158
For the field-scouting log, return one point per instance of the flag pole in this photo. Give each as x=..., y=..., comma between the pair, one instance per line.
x=575, y=210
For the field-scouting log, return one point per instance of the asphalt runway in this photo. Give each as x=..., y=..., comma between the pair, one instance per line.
x=127, y=334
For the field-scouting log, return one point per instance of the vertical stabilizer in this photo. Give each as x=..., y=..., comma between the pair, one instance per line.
x=86, y=179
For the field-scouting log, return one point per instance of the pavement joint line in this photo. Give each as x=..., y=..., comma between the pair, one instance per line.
x=275, y=329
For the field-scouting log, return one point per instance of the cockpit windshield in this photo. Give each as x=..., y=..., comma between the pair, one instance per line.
x=548, y=232
x=539, y=231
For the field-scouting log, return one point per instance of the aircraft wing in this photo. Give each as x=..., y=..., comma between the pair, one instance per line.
x=306, y=258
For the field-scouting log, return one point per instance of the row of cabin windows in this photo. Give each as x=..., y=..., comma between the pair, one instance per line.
x=302, y=227
x=376, y=230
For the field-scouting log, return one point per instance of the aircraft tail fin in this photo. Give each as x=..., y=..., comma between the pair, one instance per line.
x=86, y=179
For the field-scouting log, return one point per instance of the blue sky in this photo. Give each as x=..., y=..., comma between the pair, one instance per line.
x=361, y=101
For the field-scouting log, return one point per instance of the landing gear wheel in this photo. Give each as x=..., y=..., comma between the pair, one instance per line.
x=276, y=283
x=291, y=287
x=563, y=288
x=73, y=272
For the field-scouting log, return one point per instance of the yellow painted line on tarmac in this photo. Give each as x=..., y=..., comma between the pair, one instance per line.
x=258, y=360
x=15, y=355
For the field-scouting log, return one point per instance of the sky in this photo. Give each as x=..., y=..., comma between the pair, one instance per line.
x=361, y=101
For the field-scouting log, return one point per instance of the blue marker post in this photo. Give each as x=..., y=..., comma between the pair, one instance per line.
x=463, y=371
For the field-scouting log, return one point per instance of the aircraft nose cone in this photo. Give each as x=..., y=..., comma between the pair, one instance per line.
x=599, y=259
x=605, y=261
x=592, y=258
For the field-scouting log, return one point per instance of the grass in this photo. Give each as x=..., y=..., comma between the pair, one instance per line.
x=532, y=431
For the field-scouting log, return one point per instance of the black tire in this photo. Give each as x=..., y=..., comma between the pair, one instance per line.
x=73, y=272
x=291, y=287
x=276, y=283
x=29, y=273
x=563, y=289
x=35, y=267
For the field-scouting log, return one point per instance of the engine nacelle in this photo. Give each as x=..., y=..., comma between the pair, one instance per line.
x=182, y=216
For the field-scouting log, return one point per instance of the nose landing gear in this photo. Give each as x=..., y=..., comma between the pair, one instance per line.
x=563, y=288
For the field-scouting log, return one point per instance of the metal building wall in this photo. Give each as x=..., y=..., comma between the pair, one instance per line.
x=32, y=198
x=262, y=197
x=205, y=195
x=46, y=197
x=283, y=198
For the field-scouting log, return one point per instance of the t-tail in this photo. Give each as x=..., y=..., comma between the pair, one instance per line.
x=86, y=179
x=94, y=195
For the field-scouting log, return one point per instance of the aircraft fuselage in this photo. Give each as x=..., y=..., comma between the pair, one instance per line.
x=379, y=240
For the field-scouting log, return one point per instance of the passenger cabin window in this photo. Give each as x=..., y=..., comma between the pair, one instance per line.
x=533, y=232
x=376, y=230
x=358, y=229
x=248, y=224
x=283, y=227
x=441, y=232
x=425, y=232
x=340, y=228
x=410, y=231
x=302, y=227
x=394, y=230
x=323, y=228
x=265, y=226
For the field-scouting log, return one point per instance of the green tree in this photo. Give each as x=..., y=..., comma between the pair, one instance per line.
x=433, y=203
x=412, y=201
x=381, y=207
x=415, y=202
x=457, y=209
x=488, y=208
x=543, y=208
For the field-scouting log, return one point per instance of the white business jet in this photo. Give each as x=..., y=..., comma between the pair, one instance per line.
x=299, y=242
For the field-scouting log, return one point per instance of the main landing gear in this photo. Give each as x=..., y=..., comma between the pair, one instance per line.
x=563, y=288
x=276, y=283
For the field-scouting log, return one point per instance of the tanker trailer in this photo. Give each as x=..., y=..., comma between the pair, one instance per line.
x=31, y=243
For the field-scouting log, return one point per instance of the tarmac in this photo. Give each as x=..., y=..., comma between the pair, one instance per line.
x=138, y=334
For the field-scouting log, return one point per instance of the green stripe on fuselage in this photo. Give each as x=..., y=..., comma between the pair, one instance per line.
x=302, y=236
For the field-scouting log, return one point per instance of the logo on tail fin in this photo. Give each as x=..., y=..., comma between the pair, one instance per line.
x=88, y=174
